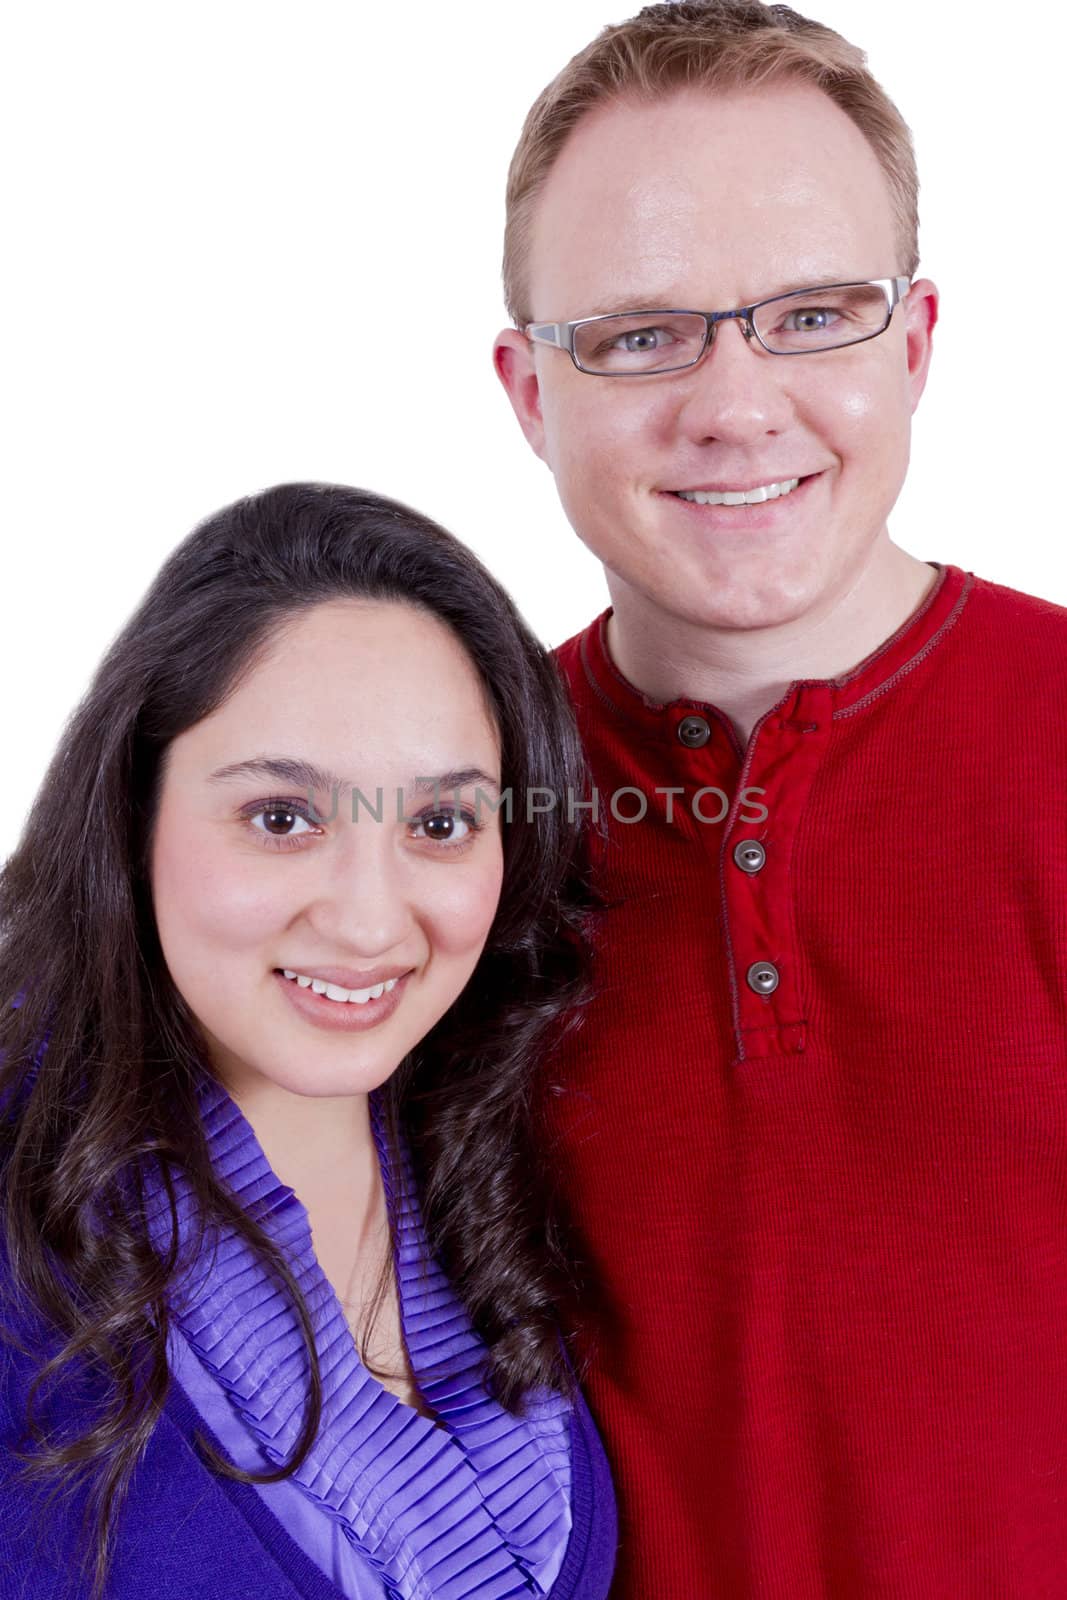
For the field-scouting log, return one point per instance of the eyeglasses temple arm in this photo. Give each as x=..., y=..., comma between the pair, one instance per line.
x=546, y=333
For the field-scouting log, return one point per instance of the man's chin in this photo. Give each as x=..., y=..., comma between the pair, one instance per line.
x=738, y=596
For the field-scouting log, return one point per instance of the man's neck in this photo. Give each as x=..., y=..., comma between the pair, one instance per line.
x=746, y=671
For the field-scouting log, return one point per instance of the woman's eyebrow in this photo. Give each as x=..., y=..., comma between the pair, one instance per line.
x=286, y=769
x=306, y=775
x=459, y=778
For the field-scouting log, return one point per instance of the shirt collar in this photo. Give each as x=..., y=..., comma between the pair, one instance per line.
x=376, y=1465
x=848, y=692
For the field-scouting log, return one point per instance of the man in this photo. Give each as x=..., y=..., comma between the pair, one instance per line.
x=814, y=1127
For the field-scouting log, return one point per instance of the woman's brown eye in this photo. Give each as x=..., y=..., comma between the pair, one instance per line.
x=279, y=820
x=446, y=827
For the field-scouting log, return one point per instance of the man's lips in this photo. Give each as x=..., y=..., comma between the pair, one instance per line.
x=738, y=485
x=764, y=513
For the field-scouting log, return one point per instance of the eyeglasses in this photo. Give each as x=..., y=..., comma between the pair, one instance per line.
x=635, y=343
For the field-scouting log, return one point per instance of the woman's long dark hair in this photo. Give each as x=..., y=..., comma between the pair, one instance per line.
x=114, y=1089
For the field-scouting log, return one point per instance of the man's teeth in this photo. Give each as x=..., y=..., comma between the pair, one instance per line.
x=333, y=991
x=739, y=497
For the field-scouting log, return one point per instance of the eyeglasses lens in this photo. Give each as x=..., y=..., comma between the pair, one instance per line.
x=636, y=344
x=821, y=319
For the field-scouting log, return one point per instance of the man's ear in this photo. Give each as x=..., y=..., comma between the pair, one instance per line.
x=513, y=359
x=920, y=313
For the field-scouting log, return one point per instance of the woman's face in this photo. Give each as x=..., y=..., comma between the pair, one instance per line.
x=252, y=883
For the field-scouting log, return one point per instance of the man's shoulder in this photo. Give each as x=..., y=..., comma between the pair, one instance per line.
x=1013, y=647
x=1027, y=618
x=571, y=656
x=571, y=648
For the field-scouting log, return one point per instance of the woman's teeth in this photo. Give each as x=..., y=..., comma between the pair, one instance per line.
x=739, y=497
x=333, y=991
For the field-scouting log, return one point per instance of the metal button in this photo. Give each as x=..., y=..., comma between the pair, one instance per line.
x=763, y=977
x=694, y=731
x=749, y=855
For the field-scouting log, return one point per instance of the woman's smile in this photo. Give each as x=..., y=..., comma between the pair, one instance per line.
x=333, y=1007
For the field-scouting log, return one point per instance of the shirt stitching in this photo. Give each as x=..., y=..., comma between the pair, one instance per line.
x=583, y=650
x=905, y=627
x=902, y=671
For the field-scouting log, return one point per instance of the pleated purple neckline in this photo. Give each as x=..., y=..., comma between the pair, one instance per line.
x=478, y=1506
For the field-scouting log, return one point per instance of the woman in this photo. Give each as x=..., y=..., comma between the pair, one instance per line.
x=279, y=957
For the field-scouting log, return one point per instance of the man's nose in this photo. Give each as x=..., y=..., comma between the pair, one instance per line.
x=736, y=392
x=363, y=902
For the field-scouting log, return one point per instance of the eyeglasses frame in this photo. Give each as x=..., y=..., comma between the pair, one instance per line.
x=560, y=335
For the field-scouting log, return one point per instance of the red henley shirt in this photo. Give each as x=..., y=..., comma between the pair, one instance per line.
x=813, y=1128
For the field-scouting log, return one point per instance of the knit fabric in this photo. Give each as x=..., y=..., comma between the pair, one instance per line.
x=829, y=1216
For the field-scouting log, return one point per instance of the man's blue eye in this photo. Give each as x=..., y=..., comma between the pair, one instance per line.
x=640, y=340
x=814, y=319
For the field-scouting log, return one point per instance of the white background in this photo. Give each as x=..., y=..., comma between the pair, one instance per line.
x=210, y=208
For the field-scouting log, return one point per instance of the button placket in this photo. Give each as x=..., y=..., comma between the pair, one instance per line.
x=701, y=768
x=757, y=880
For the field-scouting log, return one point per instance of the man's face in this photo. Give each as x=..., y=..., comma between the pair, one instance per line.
x=706, y=202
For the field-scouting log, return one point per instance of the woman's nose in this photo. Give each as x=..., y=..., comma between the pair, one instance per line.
x=363, y=900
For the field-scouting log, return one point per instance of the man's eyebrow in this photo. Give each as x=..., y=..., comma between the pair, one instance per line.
x=626, y=304
x=621, y=304
x=305, y=775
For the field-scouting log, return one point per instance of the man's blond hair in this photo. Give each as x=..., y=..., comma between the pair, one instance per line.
x=706, y=44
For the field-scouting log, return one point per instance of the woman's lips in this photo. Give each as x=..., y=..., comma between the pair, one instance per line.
x=341, y=1016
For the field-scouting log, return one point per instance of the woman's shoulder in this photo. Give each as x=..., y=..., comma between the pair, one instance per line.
x=591, y=1550
x=22, y=1334
x=68, y=1399
x=27, y=1343
x=32, y=1537
x=180, y=1524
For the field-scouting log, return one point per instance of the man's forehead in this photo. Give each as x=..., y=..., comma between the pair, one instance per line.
x=759, y=191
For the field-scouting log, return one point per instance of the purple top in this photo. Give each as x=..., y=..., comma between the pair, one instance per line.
x=387, y=1503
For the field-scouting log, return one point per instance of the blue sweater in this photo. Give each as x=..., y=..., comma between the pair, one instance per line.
x=187, y=1534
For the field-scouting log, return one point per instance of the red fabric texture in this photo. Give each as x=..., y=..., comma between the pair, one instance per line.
x=830, y=1221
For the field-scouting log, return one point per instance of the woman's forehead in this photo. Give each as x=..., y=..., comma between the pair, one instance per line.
x=353, y=684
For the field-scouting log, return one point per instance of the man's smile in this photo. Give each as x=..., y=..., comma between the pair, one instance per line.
x=746, y=508
x=738, y=497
